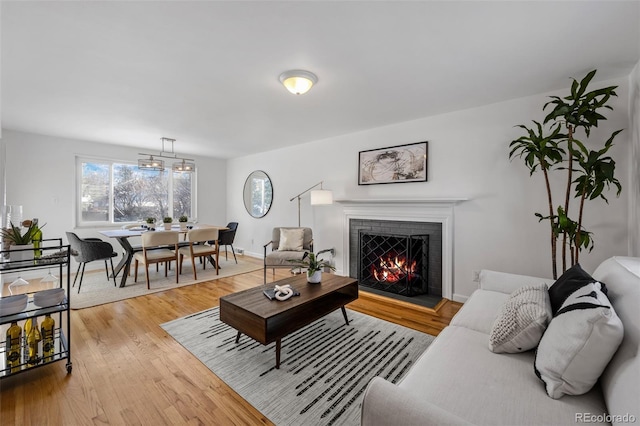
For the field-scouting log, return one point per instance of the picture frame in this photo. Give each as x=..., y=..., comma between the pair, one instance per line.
x=394, y=164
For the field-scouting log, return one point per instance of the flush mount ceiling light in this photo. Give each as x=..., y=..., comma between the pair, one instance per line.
x=298, y=82
x=185, y=165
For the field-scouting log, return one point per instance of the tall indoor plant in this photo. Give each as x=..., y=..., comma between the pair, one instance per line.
x=588, y=172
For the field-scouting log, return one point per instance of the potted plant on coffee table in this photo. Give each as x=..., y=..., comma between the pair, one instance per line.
x=314, y=265
x=167, y=223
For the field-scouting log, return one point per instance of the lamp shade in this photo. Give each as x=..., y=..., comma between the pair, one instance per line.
x=184, y=166
x=151, y=164
x=321, y=196
x=298, y=82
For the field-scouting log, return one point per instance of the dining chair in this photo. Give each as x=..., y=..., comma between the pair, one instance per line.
x=202, y=242
x=85, y=250
x=226, y=239
x=157, y=247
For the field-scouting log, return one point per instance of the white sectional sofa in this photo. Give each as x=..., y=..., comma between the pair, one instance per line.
x=458, y=380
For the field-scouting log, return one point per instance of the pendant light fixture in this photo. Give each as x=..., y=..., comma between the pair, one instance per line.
x=185, y=165
x=298, y=82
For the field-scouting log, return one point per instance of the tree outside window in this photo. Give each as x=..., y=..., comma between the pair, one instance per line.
x=119, y=193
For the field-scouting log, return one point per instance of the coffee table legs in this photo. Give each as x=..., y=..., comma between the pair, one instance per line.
x=278, y=347
x=344, y=313
x=279, y=341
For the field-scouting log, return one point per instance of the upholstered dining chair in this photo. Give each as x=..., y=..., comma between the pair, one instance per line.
x=198, y=247
x=286, y=244
x=157, y=247
x=226, y=239
x=85, y=250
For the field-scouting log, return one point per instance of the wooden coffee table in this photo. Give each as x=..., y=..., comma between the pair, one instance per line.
x=253, y=314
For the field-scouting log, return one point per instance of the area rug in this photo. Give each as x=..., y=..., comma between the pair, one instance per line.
x=96, y=290
x=325, y=366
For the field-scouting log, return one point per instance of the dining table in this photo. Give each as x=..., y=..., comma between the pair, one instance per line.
x=123, y=235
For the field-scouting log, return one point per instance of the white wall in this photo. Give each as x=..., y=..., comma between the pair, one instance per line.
x=634, y=159
x=468, y=158
x=41, y=176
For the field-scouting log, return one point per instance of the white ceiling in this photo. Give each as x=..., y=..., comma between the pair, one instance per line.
x=206, y=73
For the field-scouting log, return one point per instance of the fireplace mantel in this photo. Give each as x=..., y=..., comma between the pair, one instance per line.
x=438, y=210
x=443, y=201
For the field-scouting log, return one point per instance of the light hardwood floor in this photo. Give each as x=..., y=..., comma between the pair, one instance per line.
x=127, y=370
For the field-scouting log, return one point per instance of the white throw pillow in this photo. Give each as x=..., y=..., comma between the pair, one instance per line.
x=291, y=239
x=522, y=321
x=579, y=342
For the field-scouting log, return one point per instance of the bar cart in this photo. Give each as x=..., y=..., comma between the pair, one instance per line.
x=51, y=254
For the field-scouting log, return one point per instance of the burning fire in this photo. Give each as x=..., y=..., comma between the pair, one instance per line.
x=392, y=268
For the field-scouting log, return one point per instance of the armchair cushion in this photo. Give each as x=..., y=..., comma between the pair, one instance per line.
x=291, y=239
x=282, y=258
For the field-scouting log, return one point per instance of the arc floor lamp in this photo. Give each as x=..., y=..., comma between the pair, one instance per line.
x=318, y=197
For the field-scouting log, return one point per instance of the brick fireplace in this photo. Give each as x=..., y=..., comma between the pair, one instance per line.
x=400, y=257
x=408, y=219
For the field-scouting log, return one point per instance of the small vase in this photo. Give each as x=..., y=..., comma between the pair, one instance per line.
x=314, y=278
x=183, y=226
x=167, y=227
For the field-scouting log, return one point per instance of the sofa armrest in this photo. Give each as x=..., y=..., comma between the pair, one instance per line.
x=504, y=282
x=385, y=404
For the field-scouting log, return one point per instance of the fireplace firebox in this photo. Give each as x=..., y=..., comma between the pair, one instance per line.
x=396, y=258
x=395, y=263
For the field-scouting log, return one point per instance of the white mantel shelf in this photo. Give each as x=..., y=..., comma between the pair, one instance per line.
x=404, y=201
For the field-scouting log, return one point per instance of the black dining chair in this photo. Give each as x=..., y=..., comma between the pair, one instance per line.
x=85, y=250
x=226, y=237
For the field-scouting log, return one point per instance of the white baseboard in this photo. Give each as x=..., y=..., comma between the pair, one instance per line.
x=256, y=255
x=459, y=298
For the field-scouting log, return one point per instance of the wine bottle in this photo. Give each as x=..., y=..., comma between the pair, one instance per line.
x=34, y=339
x=36, y=239
x=48, y=346
x=13, y=347
x=25, y=332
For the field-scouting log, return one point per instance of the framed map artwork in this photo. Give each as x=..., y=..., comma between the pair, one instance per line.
x=396, y=164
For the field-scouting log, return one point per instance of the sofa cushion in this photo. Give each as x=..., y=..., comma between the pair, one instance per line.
x=459, y=374
x=579, y=342
x=480, y=310
x=505, y=282
x=522, y=321
x=621, y=379
x=572, y=279
x=291, y=239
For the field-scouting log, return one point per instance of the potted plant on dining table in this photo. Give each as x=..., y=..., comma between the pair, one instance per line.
x=167, y=223
x=183, y=222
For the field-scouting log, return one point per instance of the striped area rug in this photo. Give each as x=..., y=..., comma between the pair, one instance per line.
x=324, y=370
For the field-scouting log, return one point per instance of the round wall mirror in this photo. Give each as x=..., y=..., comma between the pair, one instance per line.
x=258, y=194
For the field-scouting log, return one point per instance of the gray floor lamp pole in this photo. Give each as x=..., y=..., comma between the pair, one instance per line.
x=321, y=196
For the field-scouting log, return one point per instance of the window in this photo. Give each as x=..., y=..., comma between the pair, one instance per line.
x=116, y=192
